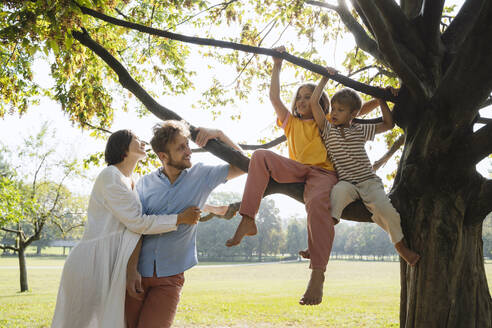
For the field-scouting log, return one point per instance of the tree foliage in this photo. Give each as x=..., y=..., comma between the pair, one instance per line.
x=442, y=65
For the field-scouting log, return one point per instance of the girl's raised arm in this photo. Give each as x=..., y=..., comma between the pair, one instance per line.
x=277, y=103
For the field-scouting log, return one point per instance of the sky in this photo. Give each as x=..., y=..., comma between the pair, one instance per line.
x=256, y=121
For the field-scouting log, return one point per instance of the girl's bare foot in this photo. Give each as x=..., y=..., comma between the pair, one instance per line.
x=247, y=227
x=406, y=253
x=314, y=291
x=305, y=254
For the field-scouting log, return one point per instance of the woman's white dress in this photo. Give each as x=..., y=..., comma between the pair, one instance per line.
x=93, y=282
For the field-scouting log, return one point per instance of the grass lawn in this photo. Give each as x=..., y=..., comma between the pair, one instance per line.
x=357, y=294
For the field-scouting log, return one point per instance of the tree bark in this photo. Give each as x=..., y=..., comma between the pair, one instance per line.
x=22, y=268
x=448, y=287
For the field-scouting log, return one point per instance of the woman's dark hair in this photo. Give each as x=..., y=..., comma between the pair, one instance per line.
x=117, y=146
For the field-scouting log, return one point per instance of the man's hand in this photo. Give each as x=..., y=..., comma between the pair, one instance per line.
x=204, y=135
x=134, y=284
x=190, y=216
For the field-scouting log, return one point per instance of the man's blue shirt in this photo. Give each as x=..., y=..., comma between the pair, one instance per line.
x=175, y=252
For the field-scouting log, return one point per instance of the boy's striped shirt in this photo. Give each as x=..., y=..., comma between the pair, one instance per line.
x=347, y=152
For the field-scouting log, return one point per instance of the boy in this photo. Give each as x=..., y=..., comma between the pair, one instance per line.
x=345, y=141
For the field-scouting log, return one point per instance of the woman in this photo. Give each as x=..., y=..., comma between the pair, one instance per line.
x=92, y=287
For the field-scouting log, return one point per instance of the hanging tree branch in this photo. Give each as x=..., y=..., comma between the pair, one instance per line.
x=361, y=87
x=355, y=211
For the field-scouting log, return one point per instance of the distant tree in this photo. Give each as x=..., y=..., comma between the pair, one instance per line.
x=269, y=227
x=28, y=203
x=341, y=233
x=66, y=225
x=296, y=238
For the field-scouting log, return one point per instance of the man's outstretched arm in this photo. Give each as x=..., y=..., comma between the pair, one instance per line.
x=204, y=135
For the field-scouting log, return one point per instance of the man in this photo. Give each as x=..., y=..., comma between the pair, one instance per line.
x=171, y=189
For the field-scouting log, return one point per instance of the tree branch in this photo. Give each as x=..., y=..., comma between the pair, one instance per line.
x=63, y=231
x=400, y=59
x=11, y=230
x=400, y=28
x=95, y=127
x=396, y=145
x=461, y=25
x=361, y=87
x=34, y=180
x=125, y=79
x=36, y=235
x=12, y=248
x=472, y=64
x=355, y=211
x=379, y=68
x=484, y=120
x=270, y=144
x=411, y=8
x=362, y=39
x=486, y=103
x=480, y=205
x=362, y=16
x=480, y=144
x=432, y=21
x=223, y=4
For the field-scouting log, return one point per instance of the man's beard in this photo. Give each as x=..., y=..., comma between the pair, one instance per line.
x=178, y=165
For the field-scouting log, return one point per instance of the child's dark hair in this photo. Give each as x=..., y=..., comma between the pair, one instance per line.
x=323, y=100
x=348, y=97
x=166, y=132
x=117, y=146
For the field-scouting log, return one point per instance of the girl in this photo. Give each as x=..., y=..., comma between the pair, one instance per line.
x=309, y=164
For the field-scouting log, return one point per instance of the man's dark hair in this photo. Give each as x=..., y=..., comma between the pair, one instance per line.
x=166, y=132
x=117, y=146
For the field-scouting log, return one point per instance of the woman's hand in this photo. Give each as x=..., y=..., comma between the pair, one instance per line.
x=190, y=216
x=134, y=283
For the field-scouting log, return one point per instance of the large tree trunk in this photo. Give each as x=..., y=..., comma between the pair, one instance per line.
x=448, y=287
